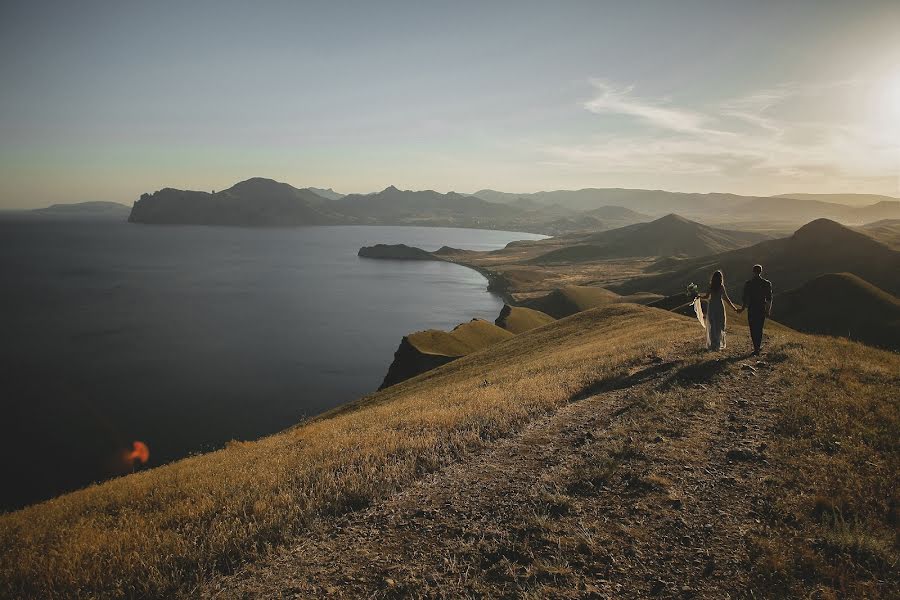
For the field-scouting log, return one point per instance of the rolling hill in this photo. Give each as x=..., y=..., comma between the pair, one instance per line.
x=671, y=235
x=842, y=304
x=815, y=249
x=572, y=299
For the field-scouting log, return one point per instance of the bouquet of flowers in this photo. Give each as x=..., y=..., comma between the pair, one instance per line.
x=692, y=290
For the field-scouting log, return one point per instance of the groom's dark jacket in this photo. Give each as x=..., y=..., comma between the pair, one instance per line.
x=757, y=293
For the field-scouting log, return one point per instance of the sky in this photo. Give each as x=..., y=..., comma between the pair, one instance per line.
x=105, y=100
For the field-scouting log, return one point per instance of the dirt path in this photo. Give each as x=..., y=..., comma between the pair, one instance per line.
x=644, y=487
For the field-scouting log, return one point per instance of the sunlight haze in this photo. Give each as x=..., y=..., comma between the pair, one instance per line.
x=108, y=100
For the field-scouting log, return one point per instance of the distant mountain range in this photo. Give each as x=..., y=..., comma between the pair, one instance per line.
x=716, y=207
x=264, y=202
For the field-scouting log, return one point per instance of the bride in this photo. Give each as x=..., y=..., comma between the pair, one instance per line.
x=717, y=296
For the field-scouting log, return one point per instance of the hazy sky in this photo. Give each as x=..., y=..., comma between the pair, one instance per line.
x=106, y=100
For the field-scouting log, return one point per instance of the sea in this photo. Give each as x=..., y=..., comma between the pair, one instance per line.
x=182, y=338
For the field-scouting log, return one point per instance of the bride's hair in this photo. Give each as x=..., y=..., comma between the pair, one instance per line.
x=716, y=282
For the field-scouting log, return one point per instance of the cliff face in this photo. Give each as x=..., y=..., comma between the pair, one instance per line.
x=395, y=252
x=425, y=350
x=409, y=361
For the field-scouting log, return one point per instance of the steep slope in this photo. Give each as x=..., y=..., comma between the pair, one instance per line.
x=425, y=350
x=817, y=248
x=254, y=202
x=842, y=304
x=572, y=299
x=671, y=235
x=518, y=319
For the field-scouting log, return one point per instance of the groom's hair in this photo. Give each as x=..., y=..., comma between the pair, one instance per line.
x=757, y=269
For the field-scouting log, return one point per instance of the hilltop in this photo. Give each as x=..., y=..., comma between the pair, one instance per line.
x=671, y=235
x=604, y=453
x=842, y=304
x=817, y=248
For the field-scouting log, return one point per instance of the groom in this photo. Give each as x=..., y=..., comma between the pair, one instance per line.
x=758, y=302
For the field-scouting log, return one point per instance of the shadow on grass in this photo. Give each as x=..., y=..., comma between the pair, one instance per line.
x=703, y=372
x=625, y=381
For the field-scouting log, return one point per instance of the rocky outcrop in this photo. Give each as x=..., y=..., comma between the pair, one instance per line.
x=425, y=350
x=395, y=252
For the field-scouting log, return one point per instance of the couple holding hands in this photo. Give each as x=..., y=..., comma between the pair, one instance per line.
x=757, y=301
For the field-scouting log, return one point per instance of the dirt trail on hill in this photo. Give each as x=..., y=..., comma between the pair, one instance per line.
x=643, y=486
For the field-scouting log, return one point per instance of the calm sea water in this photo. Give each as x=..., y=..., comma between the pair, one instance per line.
x=186, y=337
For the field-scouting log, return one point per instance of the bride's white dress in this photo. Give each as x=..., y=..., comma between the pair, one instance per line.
x=714, y=322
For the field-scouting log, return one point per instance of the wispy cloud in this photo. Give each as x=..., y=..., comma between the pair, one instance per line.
x=610, y=99
x=789, y=133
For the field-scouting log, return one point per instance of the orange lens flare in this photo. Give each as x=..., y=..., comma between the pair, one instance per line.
x=140, y=452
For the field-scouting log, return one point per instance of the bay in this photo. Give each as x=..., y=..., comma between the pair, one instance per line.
x=187, y=337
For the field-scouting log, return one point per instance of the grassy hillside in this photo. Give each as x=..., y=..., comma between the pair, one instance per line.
x=161, y=531
x=572, y=299
x=823, y=470
x=518, y=319
x=815, y=249
x=463, y=339
x=671, y=235
x=844, y=305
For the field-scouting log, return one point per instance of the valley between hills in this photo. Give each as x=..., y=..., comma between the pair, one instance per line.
x=584, y=445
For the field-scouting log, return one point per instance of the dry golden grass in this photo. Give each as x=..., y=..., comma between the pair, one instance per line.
x=161, y=532
x=833, y=525
x=518, y=319
x=466, y=338
x=571, y=299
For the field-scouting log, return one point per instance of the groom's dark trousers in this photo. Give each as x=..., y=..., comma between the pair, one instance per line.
x=757, y=299
x=756, y=317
